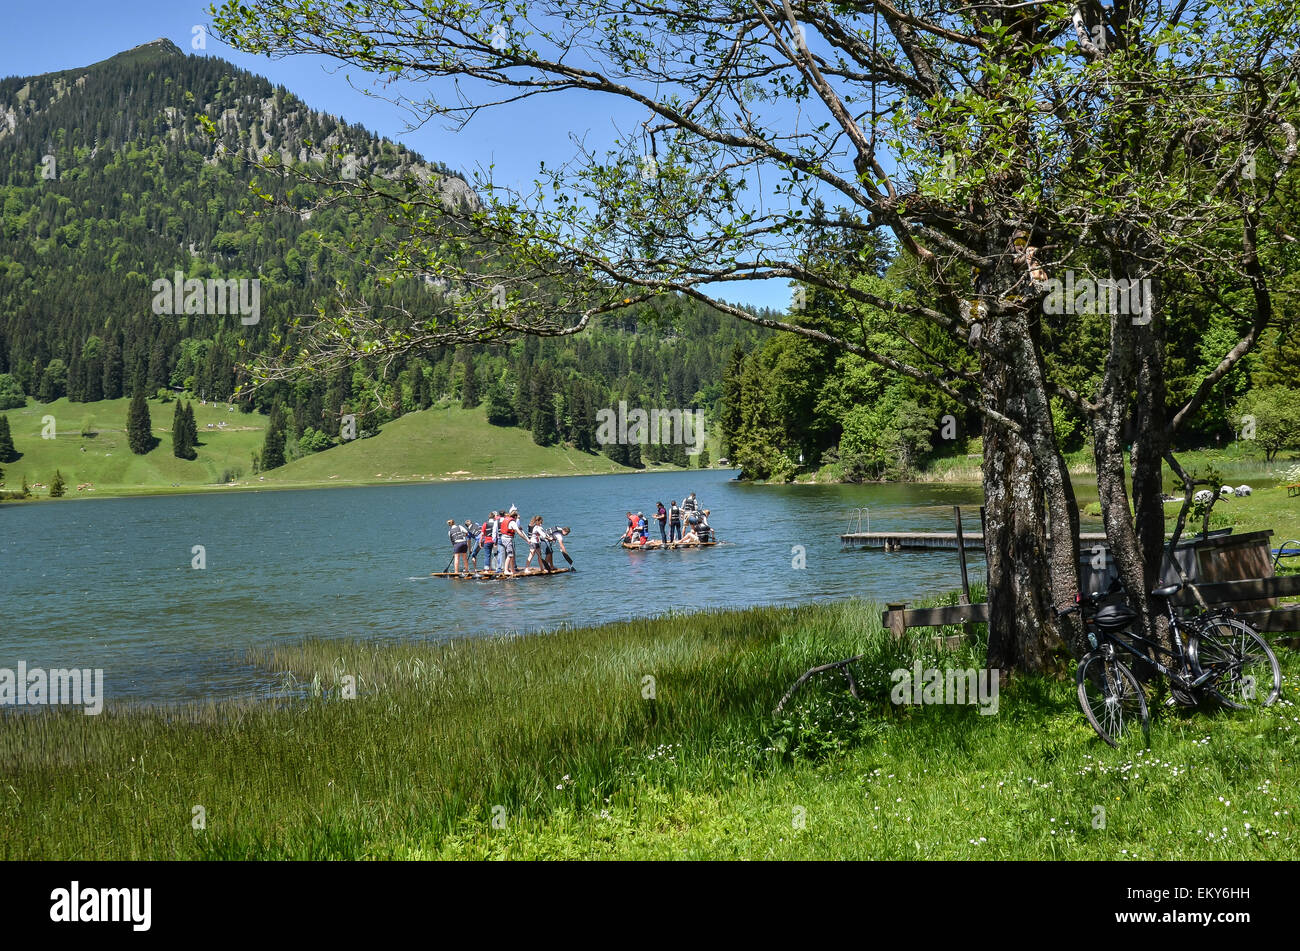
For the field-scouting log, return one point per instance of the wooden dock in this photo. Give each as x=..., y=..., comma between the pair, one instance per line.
x=898, y=541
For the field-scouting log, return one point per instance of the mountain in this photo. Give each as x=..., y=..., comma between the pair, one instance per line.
x=110, y=182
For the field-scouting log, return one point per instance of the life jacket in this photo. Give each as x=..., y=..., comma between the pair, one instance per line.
x=485, y=533
x=510, y=527
x=690, y=505
x=675, y=513
x=457, y=534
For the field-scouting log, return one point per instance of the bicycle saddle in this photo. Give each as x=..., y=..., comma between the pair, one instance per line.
x=1114, y=617
x=1167, y=590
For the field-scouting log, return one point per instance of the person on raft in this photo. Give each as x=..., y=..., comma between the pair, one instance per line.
x=661, y=516
x=540, y=540
x=691, y=512
x=675, y=523
x=703, y=529
x=700, y=530
x=537, y=537
x=473, y=542
x=487, y=541
x=459, y=544
x=509, y=528
x=555, y=535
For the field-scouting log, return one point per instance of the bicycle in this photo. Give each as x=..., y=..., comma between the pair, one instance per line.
x=1223, y=659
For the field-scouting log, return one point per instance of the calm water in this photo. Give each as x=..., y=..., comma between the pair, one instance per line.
x=108, y=583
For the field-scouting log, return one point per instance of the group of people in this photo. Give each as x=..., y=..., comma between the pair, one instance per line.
x=495, y=538
x=685, y=524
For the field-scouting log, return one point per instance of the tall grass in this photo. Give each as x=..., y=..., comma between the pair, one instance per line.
x=558, y=745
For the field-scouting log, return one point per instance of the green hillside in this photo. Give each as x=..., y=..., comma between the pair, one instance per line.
x=438, y=444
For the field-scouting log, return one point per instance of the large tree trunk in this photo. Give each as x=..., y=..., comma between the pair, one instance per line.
x=1151, y=441
x=1021, y=545
x=1136, y=535
x=1015, y=544
x=1032, y=549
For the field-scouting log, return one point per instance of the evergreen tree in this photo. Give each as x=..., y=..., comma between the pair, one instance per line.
x=469, y=389
x=191, y=427
x=704, y=457
x=617, y=452
x=732, y=396
x=582, y=418
x=182, y=440
x=543, y=410
x=7, y=451
x=54, y=381
x=112, y=381
x=273, y=445
x=139, y=427
x=420, y=387
x=58, y=486
x=500, y=407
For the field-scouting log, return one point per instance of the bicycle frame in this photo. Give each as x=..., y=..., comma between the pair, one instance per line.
x=1179, y=654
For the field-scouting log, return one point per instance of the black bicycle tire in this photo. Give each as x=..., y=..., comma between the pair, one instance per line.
x=1113, y=671
x=1195, y=654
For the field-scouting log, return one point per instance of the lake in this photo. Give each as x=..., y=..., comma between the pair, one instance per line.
x=109, y=583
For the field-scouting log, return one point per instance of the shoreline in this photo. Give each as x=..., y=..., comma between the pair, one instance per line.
x=407, y=751
x=208, y=488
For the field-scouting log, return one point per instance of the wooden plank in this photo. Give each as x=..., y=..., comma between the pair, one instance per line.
x=1248, y=589
x=897, y=540
x=1285, y=619
x=933, y=617
x=961, y=555
x=895, y=619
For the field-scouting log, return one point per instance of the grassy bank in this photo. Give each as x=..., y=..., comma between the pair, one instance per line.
x=443, y=443
x=550, y=746
x=1237, y=463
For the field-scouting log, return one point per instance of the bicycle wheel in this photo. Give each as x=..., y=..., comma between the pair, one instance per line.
x=1112, y=699
x=1247, y=674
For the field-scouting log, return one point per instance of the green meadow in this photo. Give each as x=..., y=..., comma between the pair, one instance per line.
x=441, y=443
x=652, y=738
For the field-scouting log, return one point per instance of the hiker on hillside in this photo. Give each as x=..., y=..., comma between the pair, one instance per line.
x=459, y=544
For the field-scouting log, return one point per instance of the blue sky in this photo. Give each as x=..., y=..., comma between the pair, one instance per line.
x=62, y=34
